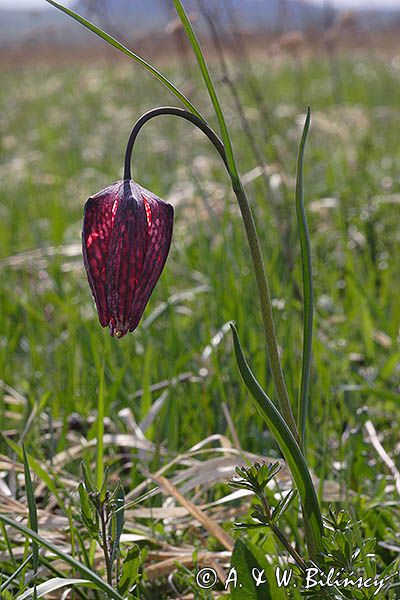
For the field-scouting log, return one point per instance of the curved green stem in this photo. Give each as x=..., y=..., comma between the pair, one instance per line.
x=177, y=112
x=252, y=237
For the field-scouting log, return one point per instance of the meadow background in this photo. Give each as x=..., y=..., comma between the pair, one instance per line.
x=172, y=391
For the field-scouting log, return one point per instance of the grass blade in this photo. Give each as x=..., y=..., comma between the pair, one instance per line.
x=308, y=292
x=15, y=574
x=52, y=585
x=8, y=544
x=290, y=450
x=138, y=500
x=113, y=42
x=210, y=87
x=87, y=572
x=52, y=569
x=33, y=519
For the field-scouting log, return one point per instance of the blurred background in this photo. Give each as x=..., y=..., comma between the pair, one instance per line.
x=33, y=27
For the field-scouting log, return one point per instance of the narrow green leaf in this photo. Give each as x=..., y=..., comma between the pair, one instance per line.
x=119, y=519
x=87, y=511
x=290, y=450
x=104, y=485
x=33, y=520
x=308, y=292
x=268, y=472
x=57, y=573
x=283, y=505
x=51, y=586
x=84, y=552
x=113, y=42
x=87, y=479
x=210, y=87
x=139, y=499
x=15, y=574
x=8, y=544
x=67, y=558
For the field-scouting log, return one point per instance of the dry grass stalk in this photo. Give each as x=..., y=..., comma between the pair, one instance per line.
x=211, y=526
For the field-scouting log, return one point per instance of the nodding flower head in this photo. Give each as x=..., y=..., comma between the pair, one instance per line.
x=126, y=238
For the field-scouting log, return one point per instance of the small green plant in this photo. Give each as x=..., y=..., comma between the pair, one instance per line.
x=348, y=563
x=102, y=504
x=103, y=516
x=255, y=479
x=102, y=513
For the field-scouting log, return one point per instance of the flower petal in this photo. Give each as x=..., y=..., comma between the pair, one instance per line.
x=98, y=224
x=127, y=251
x=160, y=218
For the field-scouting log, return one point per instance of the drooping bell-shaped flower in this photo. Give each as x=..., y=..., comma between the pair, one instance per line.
x=126, y=238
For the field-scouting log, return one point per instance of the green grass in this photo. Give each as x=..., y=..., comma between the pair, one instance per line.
x=62, y=138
